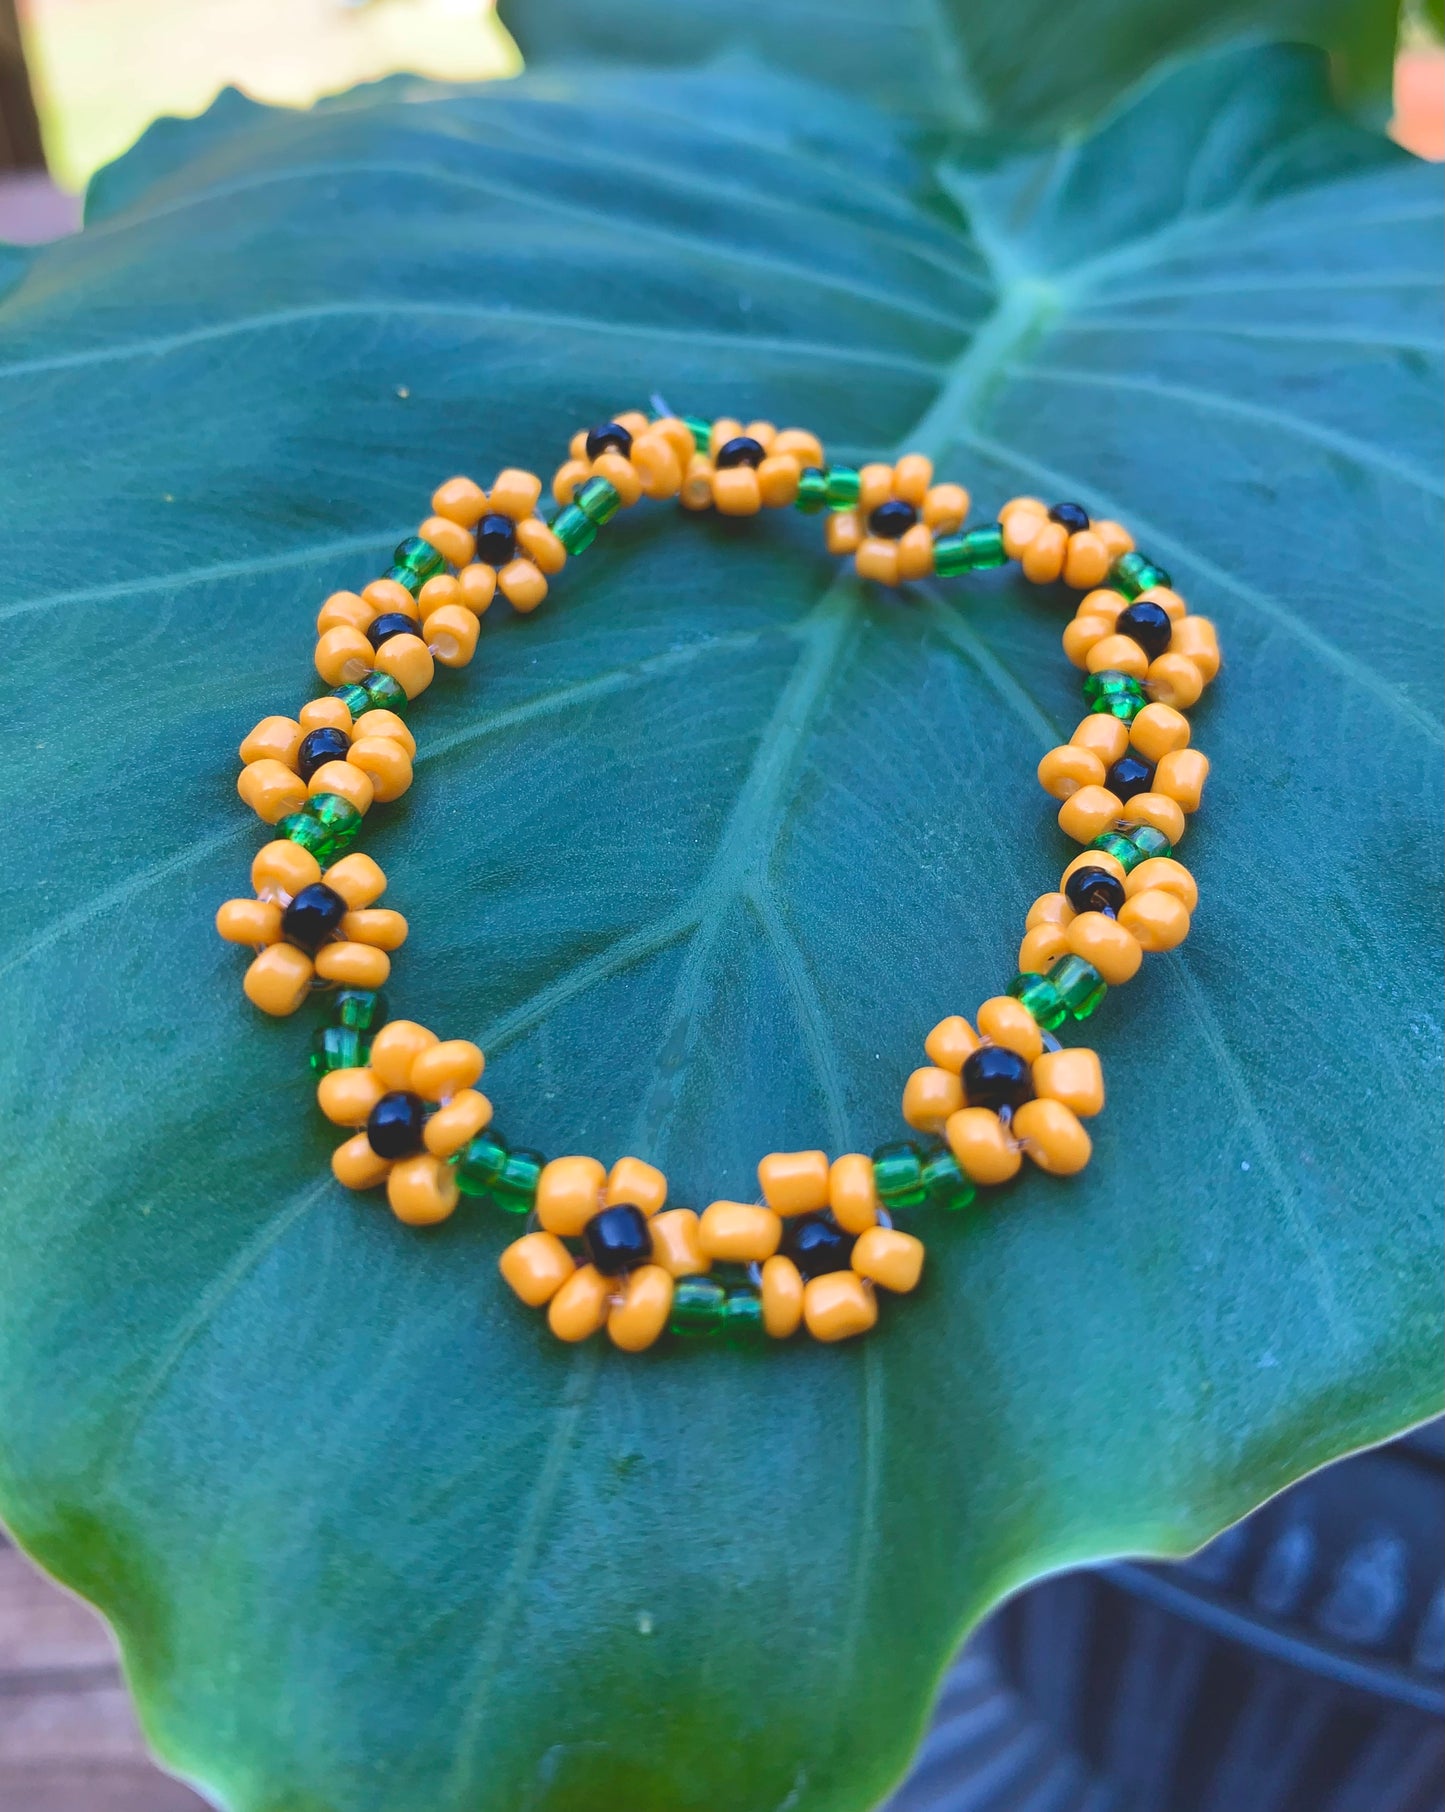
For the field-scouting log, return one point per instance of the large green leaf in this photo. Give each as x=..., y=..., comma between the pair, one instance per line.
x=699, y=852
x=1026, y=69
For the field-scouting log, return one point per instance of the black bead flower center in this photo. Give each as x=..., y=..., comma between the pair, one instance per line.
x=618, y=1239
x=393, y=622
x=892, y=519
x=1129, y=775
x=1148, y=624
x=395, y=1126
x=817, y=1245
x=997, y=1077
x=312, y=916
x=1094, y=890
x=1073, y=516
x=741, y=450
x=496, y=540
x=317, y=748
x=609, y=437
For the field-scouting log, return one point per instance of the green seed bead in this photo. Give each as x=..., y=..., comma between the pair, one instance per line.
x=743, y=1316
x=301, y=828
x=700, y=431
x=355, y=698
x=1042, y=999
x=1114, y=694
x=985, y=548
x=384, y=693
x=898, y=1175
x=340, y=820
x=515, y=1188
x=575, y=531
x=338, y=1048
x=946, y=1185
x=479, y=1162
x=363, y=1009
x=844, y=487
x=1120, y=846
x=599, y=500
x=1079, y=984
x=699, y=1306
x=950, y=556
x=420, y=557
x=406, y=576
x=1148, y=841
x=812, y=490
x=1134, y=572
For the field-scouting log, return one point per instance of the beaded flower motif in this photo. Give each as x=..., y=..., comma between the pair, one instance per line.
x=895, y=519
x=310, y=925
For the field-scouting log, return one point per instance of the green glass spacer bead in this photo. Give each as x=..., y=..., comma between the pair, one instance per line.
x=479, y=1162
x=950, y=556
x=420, y=557
x=743, y=1316
x=898, y=1175
x=1147, y=840
x=985, y=548
x=599, y=500
x=406, y=576
x=1079, y=985
x=844, y=487
x=338, y=1048
x=515, y=1189
x=812, y=490
x=1041, y=997
x=363, y=1009
x=699, y=1306
x=1134, y=572
x=700, y=431
x=946, y=1185
x=575, y=531
x=1114, y=694
x=355, y=698
x=383, y=693
x=1121, y=847
x=338, y=817
x=301, y=828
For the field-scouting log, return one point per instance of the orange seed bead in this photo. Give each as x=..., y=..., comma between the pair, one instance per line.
x=1039, y=947
x=877, y=559
x=1020, y=523
x=479, y=586
x=1175, y=680
x=567, y=478
x=1115, y=537
x=253, y=922
x=451, y=634
x=696, y=492
x=739, y=1232
x=271, y=790
x=325, y=714
x=273, y=739
x=1051, y=1135
x=463, y=1117
x=794, y=1182
x=852, y=1194
x=1086, y=560
x=346, y=781
x=777, y=481
x=838, y=1305
x=390, y=595
x=342, y=654
x=1181, y=774
x=843, y=533
x=1081, y=635
x=1117, y=654
x=675, y=1243
x=279, y=979
x=384, y=723
x=1166, y=873
x=799, y=445
x=441, y=1070
x=915, y=552
x=1156, y=919
x=658, y=467
x=1006, y=1021
x=636, y=1322
x=1064, y=770
x=454, y=543
x=353, y=965
x=1158, y=809
x=541, y=546
x=1093, y=858
x=514, y=493
x=1043, y=559
x=569, y=1193
x=1114, y=951
x=581, y=1306
x=384, y=762
x=886, y=1256
x=980, y=1142
x=1049, y=909
x=875, y=486
x=1074, y=1076
x=782, y=1293
x=345, y=610
x=1158, y=731
x=522, y=585
x=421, y=1190
x=409, y=662
x=736, y=491
x=1089, y=812
x=460, y=500
x=346, y=1097
x=621, y=474
x=1106, y=736
x=951, y=1043
x=643, y=1185
x=358, y=879
x=283, y=867
x=1195, y=637
x=945, y=508
x=394, y=1049
x=356, y=1166
x=929, y=1097
x=535, y=1267
x=1168, y=601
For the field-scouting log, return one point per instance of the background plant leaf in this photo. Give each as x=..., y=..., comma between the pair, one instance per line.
x=1027, y=70
x=700, y=852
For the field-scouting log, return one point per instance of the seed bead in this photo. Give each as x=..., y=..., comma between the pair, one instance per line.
x=1007, y=1022
x=1040, y=947
x=1050, y=1134
x=569, y=1193
x=853, y=1192
x=929, y=1097
x=1181, y=775
x=631, y=1180
x=1159, y=730
x=739, y=1232
x=794, y=1182
x=580, y=1307
x=1156, y=919
x=951, y=1043
x=271, y=790
x=1074, y=1076
x=1088, y=811
x=980, y=1142
x=1065, y=769
x=640, y=1318
x=1163, y=872
x=346, y=1097
x=838, y=1305
x=1158, y=809
x=888, y=1257
x=782, y=1293
x=279, y=980
x=535, y=1267
x=1108, y=945
x=1105, y=736
x=676, y=1245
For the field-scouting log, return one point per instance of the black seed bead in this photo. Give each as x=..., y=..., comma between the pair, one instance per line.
x=1094, y=890
x=317, y=748
x=393, y=622
x=997, y=1077
x=741, y=450
x=816, y=1245
x=1147, y=624
x=609, y=437
x=892, y=519
x=618, y=1240
x=1073, y=516
x=312, y=916
x=395, y=1127
x=1130, y=775
x=496, y=540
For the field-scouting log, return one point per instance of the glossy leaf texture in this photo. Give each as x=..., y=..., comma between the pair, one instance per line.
x=1027, y=70
x=699, y=852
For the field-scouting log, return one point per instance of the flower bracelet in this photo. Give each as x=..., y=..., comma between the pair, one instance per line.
x=601, y=1248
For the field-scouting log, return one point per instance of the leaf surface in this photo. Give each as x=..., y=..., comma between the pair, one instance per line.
x=699, y=852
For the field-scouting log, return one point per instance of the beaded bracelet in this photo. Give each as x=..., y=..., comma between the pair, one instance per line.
x=601, y=1248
